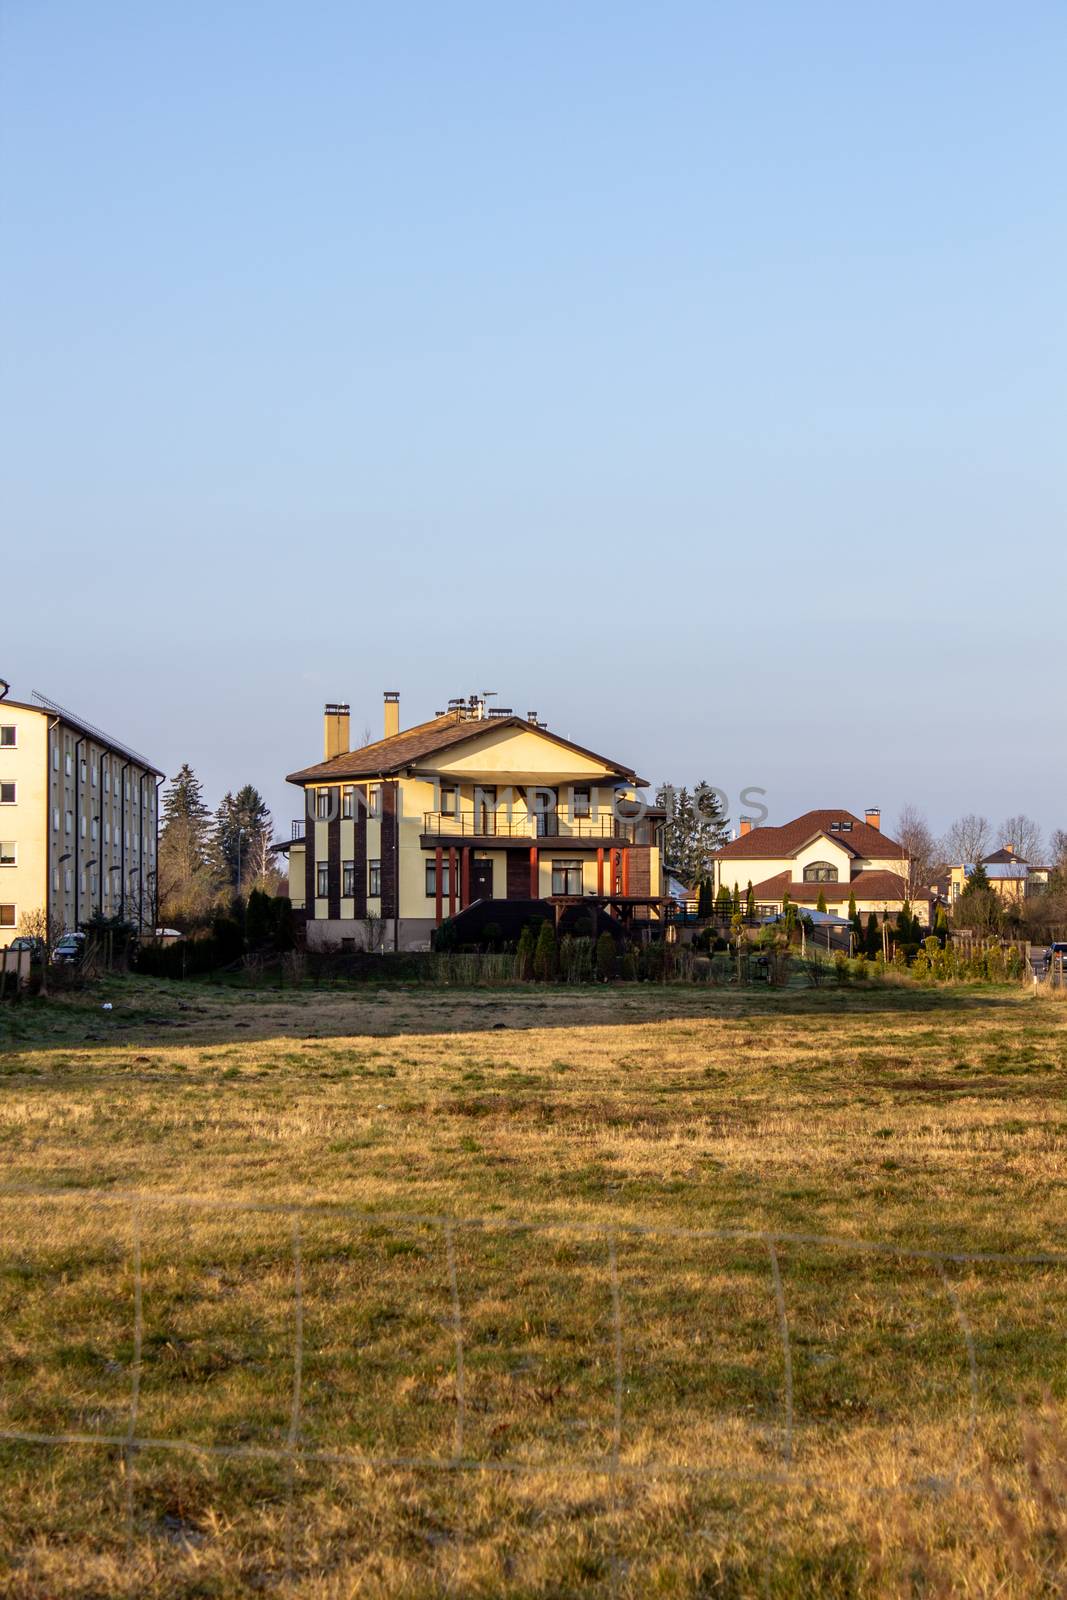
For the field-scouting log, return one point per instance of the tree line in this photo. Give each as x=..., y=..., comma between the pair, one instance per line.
x=209, y=860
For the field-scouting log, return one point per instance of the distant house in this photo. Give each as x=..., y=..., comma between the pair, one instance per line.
x=830, y=853
x=1010, y=876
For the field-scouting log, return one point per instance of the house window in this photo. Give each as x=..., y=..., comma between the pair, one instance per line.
x=580, y=805
x=566, y=877
x=348, y=878
x=820, y=872
x=374, y=879
x=322, y=879
x=840, y=827
x=8, y=853
x=322, y=804
x=431, y=877
x=7, y=916
x=348, y=802
x=449, y=797
x=8, y=736
x=8, y=794
x=374, y=800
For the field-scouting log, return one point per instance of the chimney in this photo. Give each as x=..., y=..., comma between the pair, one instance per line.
x=531, y=716
x=1010, y=848
x=392, y=712
x=873, y=817
x=746, y=826
x=335, y=731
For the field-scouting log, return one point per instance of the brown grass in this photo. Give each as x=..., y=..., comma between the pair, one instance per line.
x=931, y=1121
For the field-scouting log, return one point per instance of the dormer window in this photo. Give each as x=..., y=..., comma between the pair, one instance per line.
x=840, y=827
x=820, y=872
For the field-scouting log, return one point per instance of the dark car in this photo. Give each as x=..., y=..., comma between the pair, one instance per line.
x=69, y=949
x=26, y=941
x=1054, y=950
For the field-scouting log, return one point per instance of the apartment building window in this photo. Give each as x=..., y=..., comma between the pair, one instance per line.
x=9, y=852
x=8, y=794
x=92, y=883
x=55, y=756
x=107, y=780
x=82, y=769
x=322, y=804
x=93, y=830
x=348, y=879
x=94, y=774
x=322, y=879
x=374, y=800
x=68, y=880
x=431, y=877
x=8, y=736
x=107, y=833
x=348, y=801
x=566, y=877
x=55, y=880
x=8, y=917
x=68, y=764
x=820, y=872
x=81, y=826
x=449, y=799
x=580, y=806
x=374, y=879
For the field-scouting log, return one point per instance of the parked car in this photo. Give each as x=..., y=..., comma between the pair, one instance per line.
x=26, y=941
x=1054, y=950
x=69, y=949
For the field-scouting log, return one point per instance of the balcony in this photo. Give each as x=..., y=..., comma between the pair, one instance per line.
x=486, y=827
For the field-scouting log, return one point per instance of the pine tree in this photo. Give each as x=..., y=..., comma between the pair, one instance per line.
x=820, y=904
x=242, y=822
x=735, y=901
x=606, y=957
x=186, y=878
x=704, y=898
x=722, y=901
x=694, y=830
x=750, y=902
x=941, y=925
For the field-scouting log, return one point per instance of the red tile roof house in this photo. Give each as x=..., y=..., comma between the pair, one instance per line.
x=832, y=853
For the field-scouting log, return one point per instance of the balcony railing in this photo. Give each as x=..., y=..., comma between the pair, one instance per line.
x=298, y=828
x=486, y=824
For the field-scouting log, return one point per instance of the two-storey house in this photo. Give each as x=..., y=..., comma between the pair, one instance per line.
x=830, y=853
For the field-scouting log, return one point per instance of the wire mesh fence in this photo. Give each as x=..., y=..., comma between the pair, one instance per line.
x=312, y=1339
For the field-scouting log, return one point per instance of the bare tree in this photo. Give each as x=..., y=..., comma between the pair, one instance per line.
x=262, y=867
x=48, y=929
x=967, y=839
x=1057, y=849
x=1024, y=836
x=913, y=833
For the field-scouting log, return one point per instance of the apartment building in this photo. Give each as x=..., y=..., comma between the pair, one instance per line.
x=473, y=804
x=79, y=819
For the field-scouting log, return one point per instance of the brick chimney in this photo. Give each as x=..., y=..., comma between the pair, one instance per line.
x=873, y=817
x=392, y=712
x=335, y=726
x=1010, y=848
x=746, y=826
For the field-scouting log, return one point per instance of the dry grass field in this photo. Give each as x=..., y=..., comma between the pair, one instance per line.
x=533, y=1292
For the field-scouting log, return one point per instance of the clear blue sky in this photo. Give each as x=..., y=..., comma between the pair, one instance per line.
x=693, y=373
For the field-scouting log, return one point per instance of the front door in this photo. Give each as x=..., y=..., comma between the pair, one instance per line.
x=481, y=879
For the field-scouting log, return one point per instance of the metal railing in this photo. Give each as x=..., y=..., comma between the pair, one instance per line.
x=487, y=824
x=299, y=826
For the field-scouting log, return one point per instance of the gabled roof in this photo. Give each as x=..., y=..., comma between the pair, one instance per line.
x=1006, y=858
x=386, y=757
x=779, y=843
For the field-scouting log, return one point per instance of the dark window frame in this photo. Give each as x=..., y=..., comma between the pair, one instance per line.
x=374, y=878
x=563, y=873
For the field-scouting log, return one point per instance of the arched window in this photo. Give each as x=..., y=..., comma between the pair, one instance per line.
x=820, y=872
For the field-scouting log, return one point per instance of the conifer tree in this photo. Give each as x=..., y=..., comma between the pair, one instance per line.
x=820, y=904
x=874, y=937
x=750, y=902
x=735, y=901
x=186, y=878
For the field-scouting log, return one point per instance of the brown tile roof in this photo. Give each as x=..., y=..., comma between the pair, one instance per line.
x=861, y=840
x=392, y=755
x=871, y=884
x=1004, y=858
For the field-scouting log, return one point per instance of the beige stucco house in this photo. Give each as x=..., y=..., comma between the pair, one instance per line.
x=830, y=853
